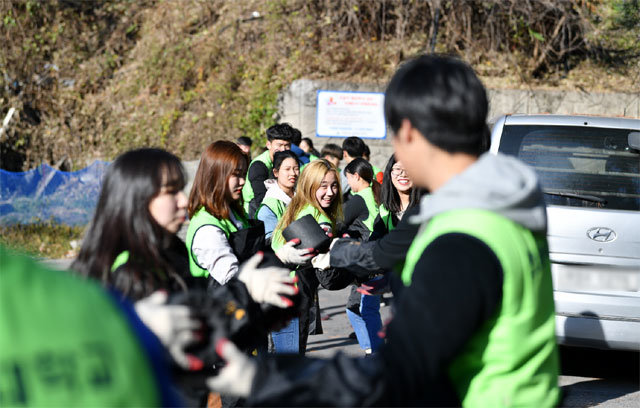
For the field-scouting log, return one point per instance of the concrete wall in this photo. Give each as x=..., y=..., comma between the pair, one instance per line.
x=298, y=107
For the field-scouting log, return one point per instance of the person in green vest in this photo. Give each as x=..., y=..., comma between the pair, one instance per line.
x=131, y=244
x=64, y=341
x=317, y=194
x=286, y=169
x=280, y=191
x=279, y=138
x=475, y=321
x=397, y=195
x=360, y=212
x=216, y=240
x=220, y=236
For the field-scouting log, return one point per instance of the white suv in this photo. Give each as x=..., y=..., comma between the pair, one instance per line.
x=589, y=169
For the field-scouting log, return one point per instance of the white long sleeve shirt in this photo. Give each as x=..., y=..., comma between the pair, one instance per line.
x=214, y=253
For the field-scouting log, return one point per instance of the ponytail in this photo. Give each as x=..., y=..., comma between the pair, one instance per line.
x=363, y=168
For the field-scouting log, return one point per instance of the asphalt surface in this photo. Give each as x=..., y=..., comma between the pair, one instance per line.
x=336, y=326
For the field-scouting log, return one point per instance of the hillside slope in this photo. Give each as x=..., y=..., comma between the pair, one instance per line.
x=91, y=79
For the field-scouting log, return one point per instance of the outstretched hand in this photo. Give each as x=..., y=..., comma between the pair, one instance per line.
x=236, y=377
x=373, y=287
x=270, y=284
x=289, y=254
x=174, y=325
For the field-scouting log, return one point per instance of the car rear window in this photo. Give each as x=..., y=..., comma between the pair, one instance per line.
x=579, y=166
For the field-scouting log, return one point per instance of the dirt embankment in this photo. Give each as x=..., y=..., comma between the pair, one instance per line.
x=91, y=79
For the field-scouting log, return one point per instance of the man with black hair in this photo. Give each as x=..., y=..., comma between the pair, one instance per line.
x=279, y=138
x=475, y=324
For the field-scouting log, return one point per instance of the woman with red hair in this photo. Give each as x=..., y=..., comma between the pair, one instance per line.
x=220, y=234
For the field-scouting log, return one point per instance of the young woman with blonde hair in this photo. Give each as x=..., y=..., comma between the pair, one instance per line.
x=318, y=194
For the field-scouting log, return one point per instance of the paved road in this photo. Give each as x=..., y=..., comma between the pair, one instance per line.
x=590, y=378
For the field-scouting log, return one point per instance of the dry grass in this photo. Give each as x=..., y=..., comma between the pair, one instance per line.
x=180, y=74
x=43, y=240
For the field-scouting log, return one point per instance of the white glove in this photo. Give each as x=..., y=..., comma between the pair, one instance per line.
x=172, y=324
x=291, y=255
x=267, y=285
x=321, y=261
x=236, y=378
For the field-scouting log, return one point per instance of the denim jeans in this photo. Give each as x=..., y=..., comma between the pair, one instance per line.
x=287, y=339
x=368, y=323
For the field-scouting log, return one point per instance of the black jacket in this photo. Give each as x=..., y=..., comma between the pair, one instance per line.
x=449, y=298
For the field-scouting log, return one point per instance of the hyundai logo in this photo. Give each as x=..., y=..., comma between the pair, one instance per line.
x=601, y=234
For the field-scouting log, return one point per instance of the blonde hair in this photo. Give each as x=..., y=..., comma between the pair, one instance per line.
x=308, y=184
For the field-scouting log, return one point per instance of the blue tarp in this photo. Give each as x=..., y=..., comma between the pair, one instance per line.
x=47, y=194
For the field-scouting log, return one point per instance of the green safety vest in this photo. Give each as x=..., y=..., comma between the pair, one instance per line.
x=278, y=207
x=200, y=219
x=512, y=360
x=386, y=217
x=277, y=241
x=372, y=207
x=247, y=189
x=64, y=342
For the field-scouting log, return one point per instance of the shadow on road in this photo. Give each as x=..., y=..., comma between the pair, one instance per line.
x=588, y=393
x=330, y=343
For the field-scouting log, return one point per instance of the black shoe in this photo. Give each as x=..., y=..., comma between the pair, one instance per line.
x=352, y=335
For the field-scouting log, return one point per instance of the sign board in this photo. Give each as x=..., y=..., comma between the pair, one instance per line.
x=344, y=114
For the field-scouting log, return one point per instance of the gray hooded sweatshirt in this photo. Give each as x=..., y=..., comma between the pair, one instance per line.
x=497, y=183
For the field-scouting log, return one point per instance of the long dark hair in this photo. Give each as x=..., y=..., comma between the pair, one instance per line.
x=211, y=183
x=389, y=196
x=364, y=169
x=122, y=222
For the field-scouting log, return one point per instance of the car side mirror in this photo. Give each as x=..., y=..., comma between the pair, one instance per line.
x=634, y=140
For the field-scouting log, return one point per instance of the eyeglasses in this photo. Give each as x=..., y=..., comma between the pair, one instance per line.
x=395, y=172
